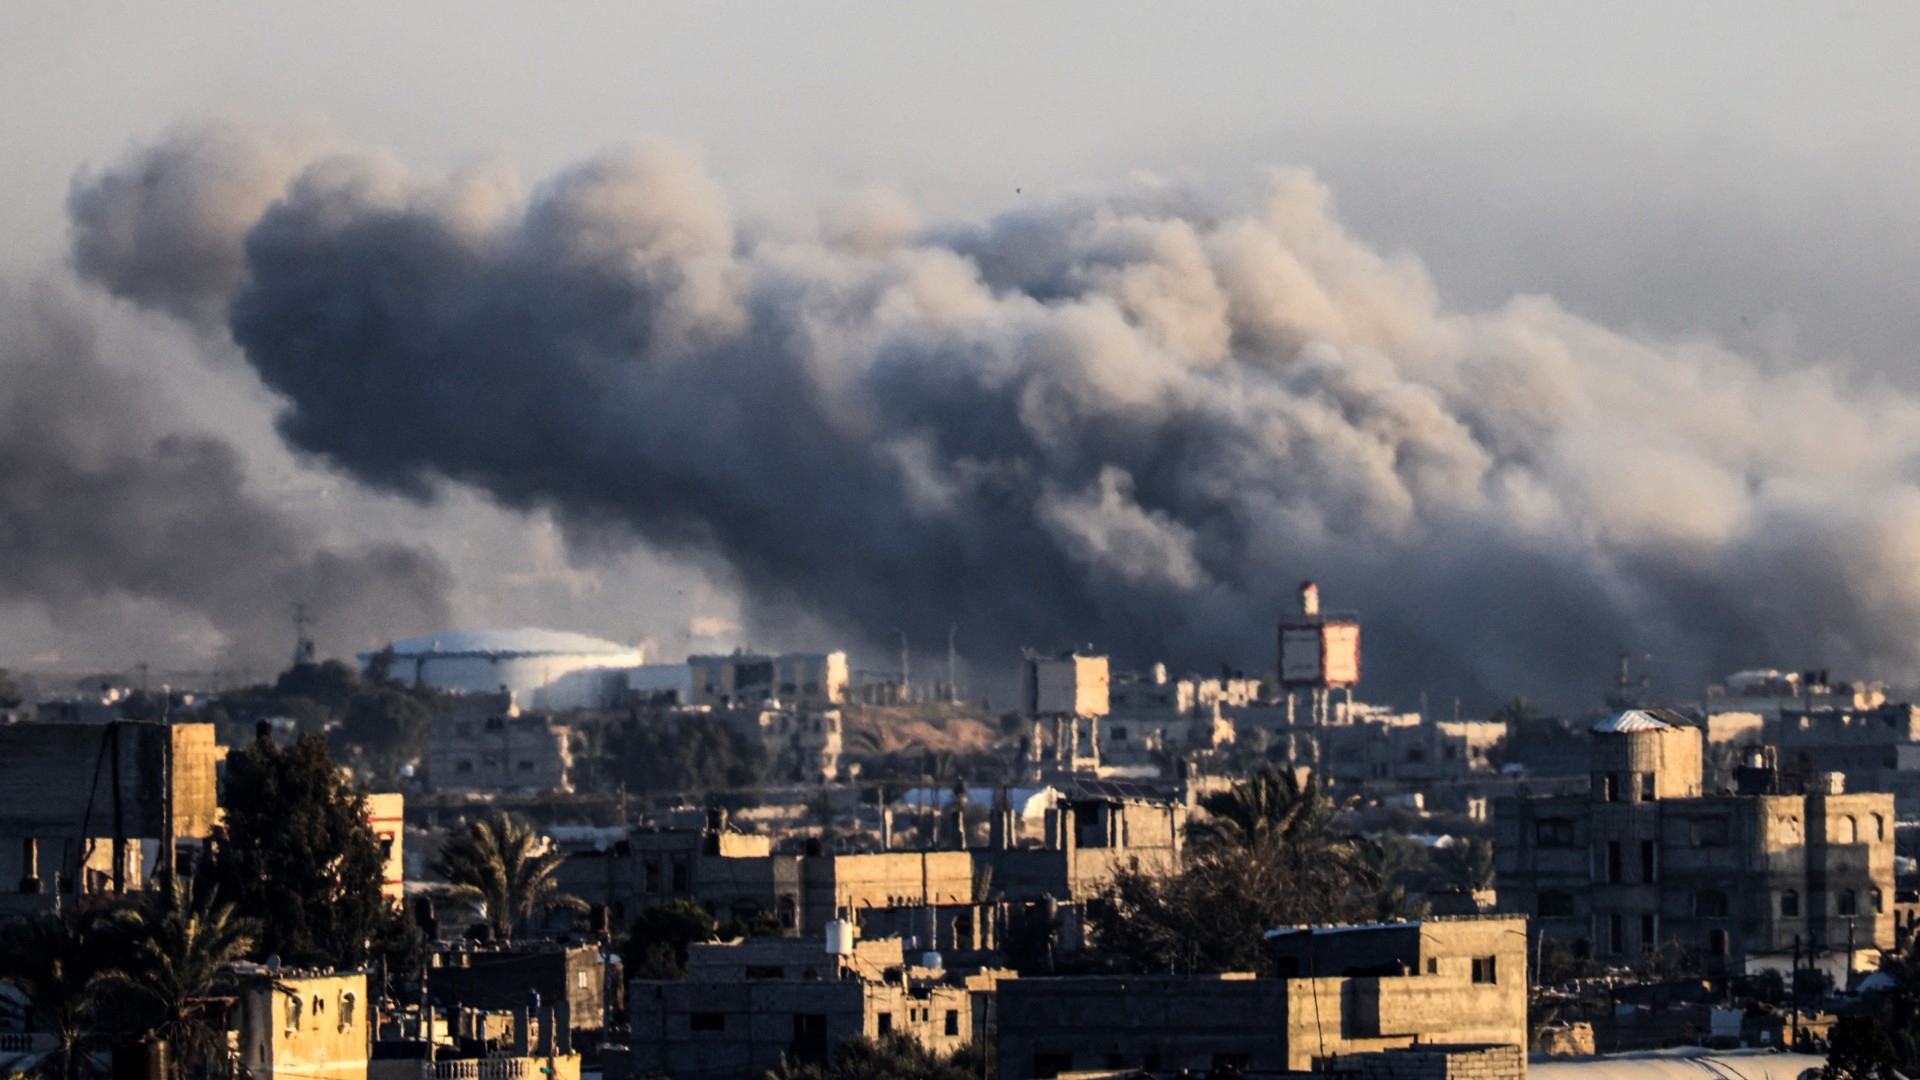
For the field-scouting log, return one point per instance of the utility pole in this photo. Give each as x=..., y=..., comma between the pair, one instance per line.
x=906, y=668
x=953, y=663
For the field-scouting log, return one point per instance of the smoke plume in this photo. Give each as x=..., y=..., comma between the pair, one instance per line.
x=1134, y=422
x=104, y=510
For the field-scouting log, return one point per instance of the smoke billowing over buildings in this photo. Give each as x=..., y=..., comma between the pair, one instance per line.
x=1135, y=420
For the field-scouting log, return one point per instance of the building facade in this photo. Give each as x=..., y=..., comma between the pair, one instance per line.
x=1747, y=880
x=486, y=744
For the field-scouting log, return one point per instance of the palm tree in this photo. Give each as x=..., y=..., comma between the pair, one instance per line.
x=182, y=944
x=1276, y=815
x=60, y=962
x=501, y=861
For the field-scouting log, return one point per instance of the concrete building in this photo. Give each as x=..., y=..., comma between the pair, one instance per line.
x=303, y=1025
x=89, y=808
x=950, y=900
x=744, y=1007
x=570, y=982
x=803, y=744
x=1335, y=991
x=1746, y=879
x=387, y=813
x=486, y=744
x=1152, y=718
x=1070, y=693
x=546, y=669
x=808, y=681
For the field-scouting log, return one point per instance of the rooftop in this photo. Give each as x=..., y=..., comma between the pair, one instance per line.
x=523, y=641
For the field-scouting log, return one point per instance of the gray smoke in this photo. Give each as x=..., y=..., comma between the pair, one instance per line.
x=1134, y=422
x=104, y=510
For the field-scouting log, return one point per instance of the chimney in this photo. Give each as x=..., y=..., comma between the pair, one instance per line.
x=1309, y=599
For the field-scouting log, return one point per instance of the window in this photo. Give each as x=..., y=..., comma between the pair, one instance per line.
x=1646, y=787
x=1710, y=832
x=1610, y=786
x=679, y=876
x=1849, y=830
x=1878, y=904
x=1710, y=904
x=1613, y=862
x=463, y=766
x=653, y=875
x=1649, y=933
x=1847, y=903
x=1555, y=904
x=1879, y=827
x=1483, y=969
x=953, y=1021
x=494, y=723
x=346, y=1012
x=1649, y=861
x=1616, y=933
x=1717, y=943
x=884, y=1022
x=1433, y=965
x=1553, y=832
x=294, y=1010
x=707, y=1021
x=1790, y=904
x=1119, y=733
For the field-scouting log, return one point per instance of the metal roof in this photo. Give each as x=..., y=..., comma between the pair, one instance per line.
x=1651, y=718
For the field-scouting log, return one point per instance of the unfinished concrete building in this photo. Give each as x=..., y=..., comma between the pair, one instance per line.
x=570, y=981
x=744, y=1007
x=1334, y=991
x=486, y=744
x=808, y=681
x=1064, y=698
x=952, y=899
x=1747, y=880
x=89, y=808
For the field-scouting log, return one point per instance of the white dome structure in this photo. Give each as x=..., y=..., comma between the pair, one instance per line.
x=545, y=669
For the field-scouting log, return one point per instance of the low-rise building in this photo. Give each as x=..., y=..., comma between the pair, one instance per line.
x=297, y=1025
x=486, y=744
x=1335, y=991
x=803, y=680
x=746, y=1006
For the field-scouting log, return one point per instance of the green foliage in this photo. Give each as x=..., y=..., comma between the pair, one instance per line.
x=752, y=925
x=1858, y=1049
x=179, y=943
x=1558, y=964
x=688, y=753
x=501, y=861
x=63, y=964
x=1273, y=855
x=657, y=944
x=372, y=723
x=297, y=854
x=893, y=1056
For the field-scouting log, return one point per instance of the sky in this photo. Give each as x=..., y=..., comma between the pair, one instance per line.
x=1732, y=175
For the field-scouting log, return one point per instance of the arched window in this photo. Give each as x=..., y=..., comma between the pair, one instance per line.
x=1555, y=904
x=1849, y=830
x=1878, y=903
x=1790, y=904
x=1710, y=904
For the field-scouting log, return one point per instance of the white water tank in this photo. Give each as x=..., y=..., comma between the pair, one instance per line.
x=839, y=938
x=930, y=960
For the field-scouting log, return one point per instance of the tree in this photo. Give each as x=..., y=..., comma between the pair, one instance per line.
x=658, y=942
x=502, y=862
x=1858, y=1049
x=893, y=1056
x=62, y=963
x=1271, y=855
x=180, y=943
x=297, y=854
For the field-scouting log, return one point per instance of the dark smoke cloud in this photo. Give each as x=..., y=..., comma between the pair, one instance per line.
x=1133, y=422
x=101, y=506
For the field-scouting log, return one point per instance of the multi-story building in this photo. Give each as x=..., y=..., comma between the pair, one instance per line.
x=486, y=744
x=802, y=680
x=304, y=1025
x=1748, y=880
x=744, y=1007
x=89, y=808
x=1071, y=692
x=1334, y=991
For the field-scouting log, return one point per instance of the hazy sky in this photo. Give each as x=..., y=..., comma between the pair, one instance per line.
x=1742, y=172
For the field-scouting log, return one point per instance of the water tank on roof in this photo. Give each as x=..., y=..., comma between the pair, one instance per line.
x=930, y=960
x=839, y=938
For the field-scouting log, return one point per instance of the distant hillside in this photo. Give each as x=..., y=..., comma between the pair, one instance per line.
x=881, y=730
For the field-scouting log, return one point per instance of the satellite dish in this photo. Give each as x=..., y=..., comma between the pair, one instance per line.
x=273, y=964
